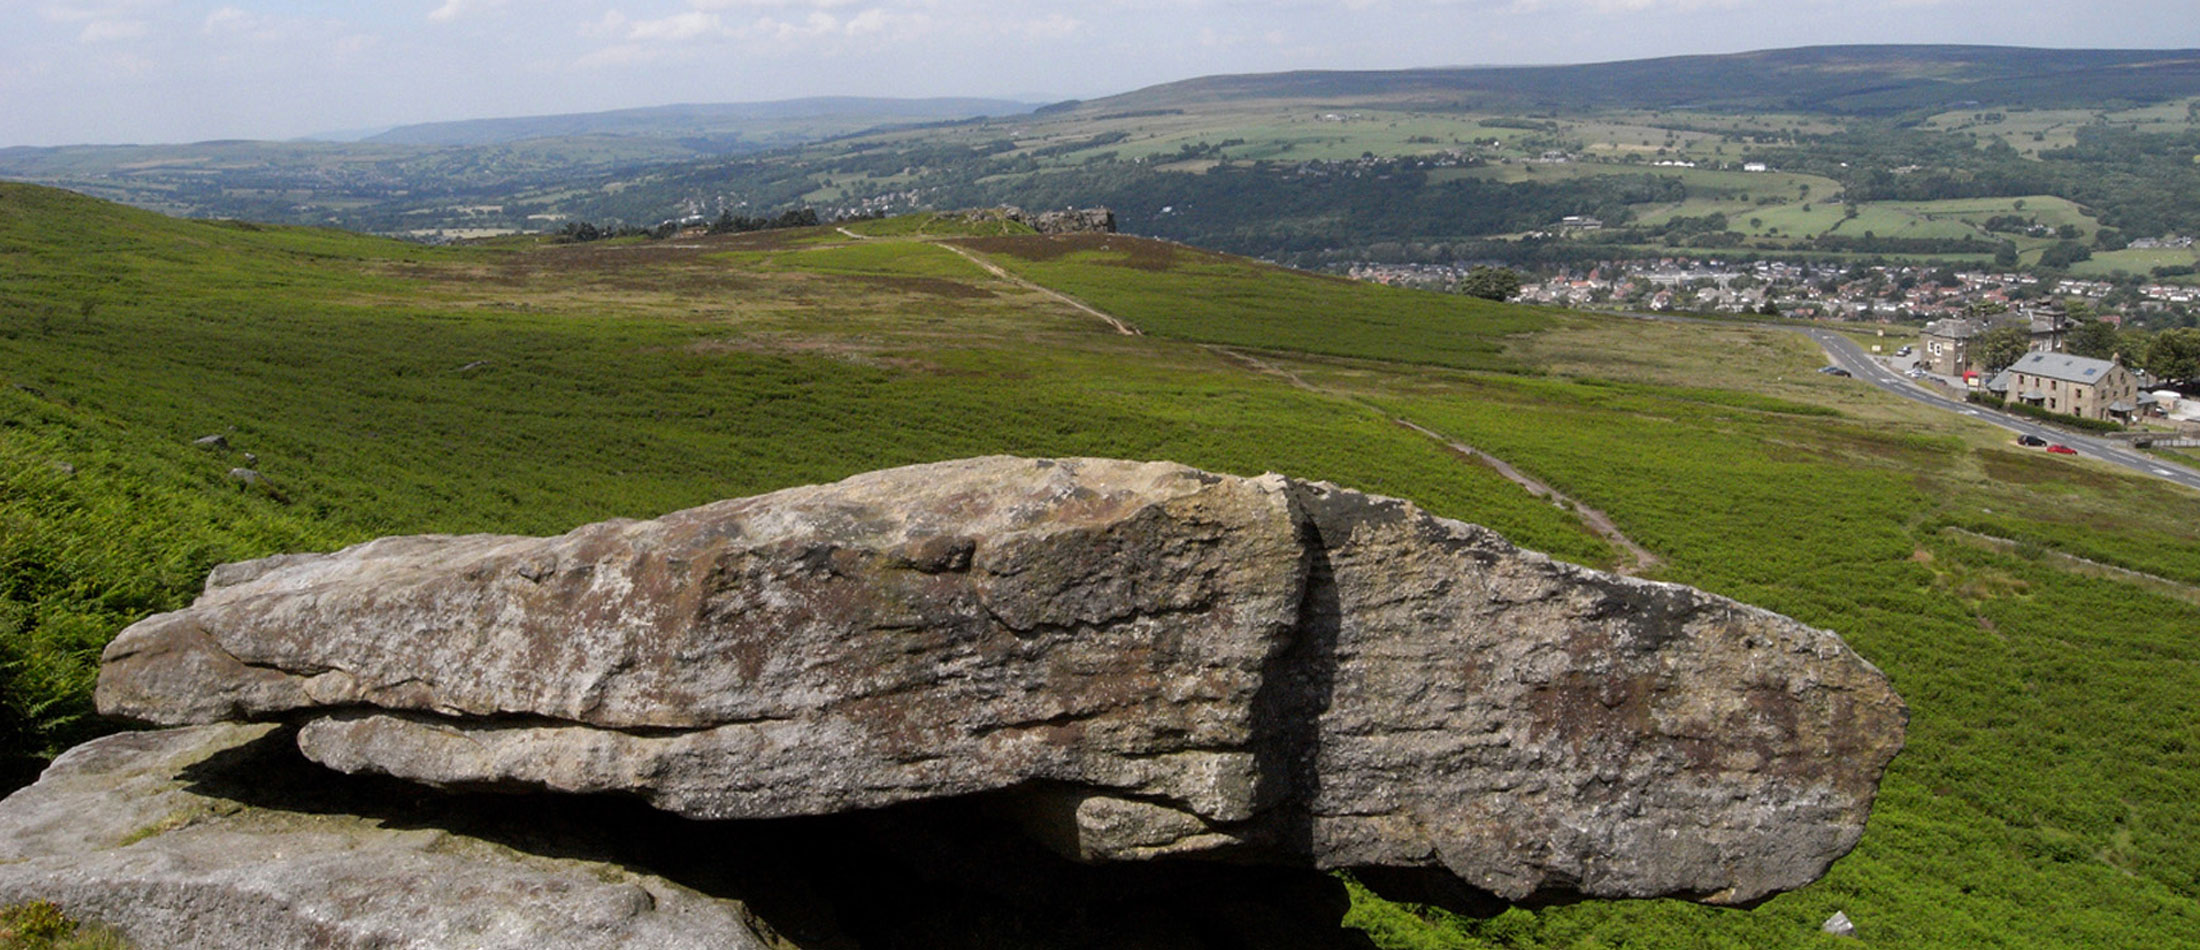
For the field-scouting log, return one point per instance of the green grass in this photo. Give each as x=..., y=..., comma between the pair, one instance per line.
x=533, y=394
x=41, y=925
x=2046, y=796
x=1187, y=294
x=930, y=224
x=2134, y=261
x=2052, y=753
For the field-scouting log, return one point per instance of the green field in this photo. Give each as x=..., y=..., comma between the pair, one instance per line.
x=2048, y=794
x=2032, y=131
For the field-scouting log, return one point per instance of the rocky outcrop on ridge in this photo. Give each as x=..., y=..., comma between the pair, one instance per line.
x=1075, y=221
x=1142, y=659
x=1065, y=221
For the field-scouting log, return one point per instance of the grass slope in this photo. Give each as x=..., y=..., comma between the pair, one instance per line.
x=2046, y=797
x=1181, y=292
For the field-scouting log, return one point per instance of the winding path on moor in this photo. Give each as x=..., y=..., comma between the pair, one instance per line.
x=1639, y=558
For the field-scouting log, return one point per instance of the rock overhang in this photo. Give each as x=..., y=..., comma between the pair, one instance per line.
x=1143, y=660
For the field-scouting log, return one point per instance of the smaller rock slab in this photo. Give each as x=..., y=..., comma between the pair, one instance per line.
x=127, y=830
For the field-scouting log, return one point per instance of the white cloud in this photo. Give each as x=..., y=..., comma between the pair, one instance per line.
x=454, y=9
x=229, y=20
x=108, y=31
x=1628, y=6
x=80, y=10
x=612, y=23
x=768, y=4
x=677, y=28
x=1053, y=26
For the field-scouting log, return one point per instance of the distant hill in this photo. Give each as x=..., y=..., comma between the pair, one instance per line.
x=1849, y=80
x=697, y=119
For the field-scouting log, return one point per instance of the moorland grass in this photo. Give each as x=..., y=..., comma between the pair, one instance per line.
x=2045, y=798
x=377, y=400
x=1183, y=293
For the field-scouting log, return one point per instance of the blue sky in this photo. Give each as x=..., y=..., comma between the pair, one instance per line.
x=76, y=71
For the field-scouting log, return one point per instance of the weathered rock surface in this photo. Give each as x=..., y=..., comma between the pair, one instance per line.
x=141, y=831
x=1075, y=221
x=1136, y=661
x=1065, y=221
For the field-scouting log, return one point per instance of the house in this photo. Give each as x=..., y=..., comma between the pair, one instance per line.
x=1945, y=345
x=2047, y=330
x=1756, y=167
x=2075, y=385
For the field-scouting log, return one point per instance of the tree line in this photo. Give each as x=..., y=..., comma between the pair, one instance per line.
x=578, y=232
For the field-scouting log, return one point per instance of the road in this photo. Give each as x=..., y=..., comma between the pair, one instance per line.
x=1849, y=356
x=1846, y=354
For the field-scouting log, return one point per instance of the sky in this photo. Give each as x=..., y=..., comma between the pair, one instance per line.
x=160, y=71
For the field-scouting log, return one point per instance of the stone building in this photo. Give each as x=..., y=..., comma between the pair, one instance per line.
x=2075, y=385
x=1945, y=345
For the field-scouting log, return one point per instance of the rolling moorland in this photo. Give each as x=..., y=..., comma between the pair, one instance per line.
x=374, y=387
x=1945, y=154
x=447, y=179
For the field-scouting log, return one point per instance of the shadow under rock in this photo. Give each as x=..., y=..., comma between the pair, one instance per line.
x=942, y=875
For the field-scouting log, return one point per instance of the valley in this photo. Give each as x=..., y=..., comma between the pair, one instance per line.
x=374, y=387
x=1972, y=156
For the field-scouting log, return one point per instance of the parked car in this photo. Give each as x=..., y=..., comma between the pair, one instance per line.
x=1833, y=371
x=1905, y=351
x=2031, y=440
x=2061, y=449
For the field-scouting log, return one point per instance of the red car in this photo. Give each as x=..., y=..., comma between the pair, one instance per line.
x=2061, y=449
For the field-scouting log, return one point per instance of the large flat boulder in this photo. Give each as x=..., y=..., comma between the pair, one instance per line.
x=1137, y=661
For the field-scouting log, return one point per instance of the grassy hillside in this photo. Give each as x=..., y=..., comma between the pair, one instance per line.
x=1826, y=79
x=2047, y=795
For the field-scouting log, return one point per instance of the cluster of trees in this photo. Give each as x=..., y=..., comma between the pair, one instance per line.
x=1490, y=283
x=1301, y=212
x=579, y=232
x=2137, y=182
x=2062, y=254
x=1869, y=243
x=730, y=223
x=2171, y=354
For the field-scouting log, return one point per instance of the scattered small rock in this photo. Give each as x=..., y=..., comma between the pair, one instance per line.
x=64, y=468
x=247, y=476
x=477, y=364
x=251, y=460
x=217, y=441
x=1839, y=925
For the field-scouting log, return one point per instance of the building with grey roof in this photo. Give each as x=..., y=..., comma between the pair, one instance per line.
x=1945, y=345
x=2076, y=385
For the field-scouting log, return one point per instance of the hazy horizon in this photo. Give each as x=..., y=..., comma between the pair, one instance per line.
x=163, y=71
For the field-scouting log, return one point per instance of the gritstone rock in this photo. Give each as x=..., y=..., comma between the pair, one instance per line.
x=1075, y=221
x=1135, y=661
x=143, y=831
x=1839, y=925
x=1065, y=221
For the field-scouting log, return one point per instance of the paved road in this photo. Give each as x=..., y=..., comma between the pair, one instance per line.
x=1849, y=356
